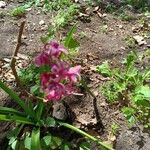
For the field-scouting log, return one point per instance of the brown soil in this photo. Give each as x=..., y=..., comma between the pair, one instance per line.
x=94, y=116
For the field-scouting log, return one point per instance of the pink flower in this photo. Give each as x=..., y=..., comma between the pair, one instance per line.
x=54, y=49
x=55, y=91
x=42, y=59
x=60, y=69
x=45, y=77
x=73, y=73
x=61, y=79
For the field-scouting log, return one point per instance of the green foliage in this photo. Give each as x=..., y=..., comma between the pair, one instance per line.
x=18, y=11
x=29, y=75
x=129, y=86
x=70, y=42
x=104, y=69
x=124, y=16
x=138, y=4
x=61, y=19
x=130, y=41
x=31, y=138
x=56, y=5
x=114, y=128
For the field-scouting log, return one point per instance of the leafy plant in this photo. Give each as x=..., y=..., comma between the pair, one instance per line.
x=35, y=122
x=18, y=11
x=114, y=128
x=129, y=86
x=130, y=41
x=62, y=18
x=138, y=4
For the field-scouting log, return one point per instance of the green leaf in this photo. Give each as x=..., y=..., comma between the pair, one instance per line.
x=129, y=114
x=35, y=89
x=131, y=57
x=16, y=98
x=66, y=146
x=15, y=145
x=55, y=142
x=35, y=139
x=146, y=74
x=39, y=110
x=15, y=118
x=84, y=146
x=37, y=2
x=144, y=90
x=6, y=110
x=69, y=41
x=27, y=142
x=12, y=140
x=50, y=122
x=14, y=132
x=104, y=69
x=47, y=140
x=132, y=72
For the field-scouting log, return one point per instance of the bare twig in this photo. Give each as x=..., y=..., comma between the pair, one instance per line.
x=13, y=60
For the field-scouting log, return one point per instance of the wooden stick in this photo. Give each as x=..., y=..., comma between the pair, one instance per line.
x=13, y=60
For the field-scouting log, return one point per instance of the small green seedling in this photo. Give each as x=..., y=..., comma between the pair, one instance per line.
x=129, y=86
x=18, y=12
x=130, y=41
x=114, y=128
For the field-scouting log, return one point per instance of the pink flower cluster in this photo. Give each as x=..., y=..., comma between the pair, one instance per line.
x=60, y=81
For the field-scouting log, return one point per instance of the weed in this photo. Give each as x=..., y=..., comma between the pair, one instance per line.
x=18, y=12
x=130, y=87
x=2, y=14
x=138, y=4
x=114, y=128
x=60, y=20
x=104, y=28
x=126, y=17
x=82, y=34
x=56, y=5
x=130, y=42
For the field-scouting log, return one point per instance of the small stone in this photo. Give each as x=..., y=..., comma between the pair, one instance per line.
x=7, y=60
x=123, y=48
x=104, y=15
x=2, y=4
x=24, y=37
x=41, y=22
x=23, y=56
x=44, y=28
x=148, y=46
x=59, y=111
x=140, y=40
x=120, y=26
x=96, y=8
x=29, y=9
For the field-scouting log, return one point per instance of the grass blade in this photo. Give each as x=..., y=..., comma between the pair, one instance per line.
x=6, y=110
x=35, y=139
x=15, y=118
x=16, y=98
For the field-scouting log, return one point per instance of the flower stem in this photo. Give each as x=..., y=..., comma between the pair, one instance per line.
x=86, y=135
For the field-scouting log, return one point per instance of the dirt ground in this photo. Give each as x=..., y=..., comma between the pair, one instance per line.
x=96, y=46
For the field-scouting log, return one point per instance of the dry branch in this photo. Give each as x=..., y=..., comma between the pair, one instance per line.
x=13, y=60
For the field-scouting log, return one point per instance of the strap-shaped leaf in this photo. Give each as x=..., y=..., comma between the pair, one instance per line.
x=39, y=110
x=15, y=118
x=70, y=42
x=16, y=98
x=35, y=139
x=6, y=110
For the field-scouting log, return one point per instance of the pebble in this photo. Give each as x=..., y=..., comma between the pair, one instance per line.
x=41, y=22
x=2, y=4
x=140, y=40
